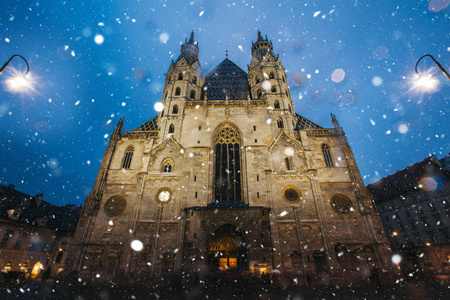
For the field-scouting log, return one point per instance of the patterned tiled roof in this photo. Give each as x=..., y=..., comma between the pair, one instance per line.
x=303, y=123
x=150, y=125
x=227, y=77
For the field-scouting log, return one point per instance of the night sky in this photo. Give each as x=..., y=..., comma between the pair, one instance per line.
x=94, y=63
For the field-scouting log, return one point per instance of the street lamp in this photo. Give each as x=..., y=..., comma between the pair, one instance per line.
x=17, y=82
x=426, y=82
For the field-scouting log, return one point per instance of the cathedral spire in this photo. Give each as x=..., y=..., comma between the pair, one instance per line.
x=189, y=50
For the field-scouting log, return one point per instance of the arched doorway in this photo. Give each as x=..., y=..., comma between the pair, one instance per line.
x=227, y=250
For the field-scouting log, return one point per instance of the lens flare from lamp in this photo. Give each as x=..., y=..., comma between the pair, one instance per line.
x=17, y=83
x=427, y=83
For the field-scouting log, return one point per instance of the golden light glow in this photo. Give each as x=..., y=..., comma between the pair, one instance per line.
x=17, y=83
x=395, y=233
x=427, y=83
x=428, y=244
x=36, y=269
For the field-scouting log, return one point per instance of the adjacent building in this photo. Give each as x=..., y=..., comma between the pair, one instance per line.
x=414, y=206
x=228, y=177
x=33, y=233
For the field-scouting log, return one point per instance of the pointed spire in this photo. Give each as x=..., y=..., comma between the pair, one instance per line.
x=191, y=40
x=260, y=38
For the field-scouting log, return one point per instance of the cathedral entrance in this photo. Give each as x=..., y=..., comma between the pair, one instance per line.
x=227, y=251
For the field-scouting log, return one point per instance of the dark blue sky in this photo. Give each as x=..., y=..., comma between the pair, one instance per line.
x=52, y=138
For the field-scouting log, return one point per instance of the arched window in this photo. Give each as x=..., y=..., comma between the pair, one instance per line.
x=288, y=163
x=271, y=75
x=327, y=155
x=257, y=80
x=192, y=96
x=175, y=109
x=259, y=93
x=273, y=89
x=167, y=165
x=165, y=96
x=227, y=173
x=280, y=123
x=194, y=80
x=177, y=91
x=171, y=128
x=276, y=104
x=180, y=76
x=128, y=157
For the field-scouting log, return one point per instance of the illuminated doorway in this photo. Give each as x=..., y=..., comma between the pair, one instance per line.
x=36, y=269
x=227, y=251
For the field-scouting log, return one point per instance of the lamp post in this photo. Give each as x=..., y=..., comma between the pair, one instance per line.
x=7, y=63
x=426, y=82
x=18, y=82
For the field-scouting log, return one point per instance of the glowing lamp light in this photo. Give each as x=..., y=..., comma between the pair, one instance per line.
x=427, y=83
x=17, y=83
x=428, y=244
x=395, y=233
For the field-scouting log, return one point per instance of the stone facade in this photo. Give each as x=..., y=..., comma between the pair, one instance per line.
x=228, y=176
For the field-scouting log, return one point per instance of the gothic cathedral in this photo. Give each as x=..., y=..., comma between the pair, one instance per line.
x=228, y=178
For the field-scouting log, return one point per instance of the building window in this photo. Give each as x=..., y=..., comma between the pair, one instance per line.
x=192, y=96
x=259, y=93
x=327, y=156
x=257, y=195
x=167, y=165
x=177, y=91
x=227, y=173
x=288, y=163
x=180, y=76
x=257, y=80
x=6, y=238
x=196, y=194
x=194, y=80
x=276, y=104
x=58, y=257
x=280, y=123
x=273, y=89
x=19, y=240
x=254, y=128
x=257, y=177
x=256, y=141
x=171, y=128
x=128, y=157
x=195, y=178
x=271, y=75
x=175, y=109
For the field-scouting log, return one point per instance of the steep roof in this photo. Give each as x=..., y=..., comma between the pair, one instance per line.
x=226, y=78
x=150, y=125
x=304, y=123
x=31, y=209
x=409, y=179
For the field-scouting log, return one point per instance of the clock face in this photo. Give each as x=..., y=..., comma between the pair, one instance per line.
x=164, y=196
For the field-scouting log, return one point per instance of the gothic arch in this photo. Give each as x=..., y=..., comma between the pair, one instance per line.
x=227, y=165
x=127, y=157
x=167, y=165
